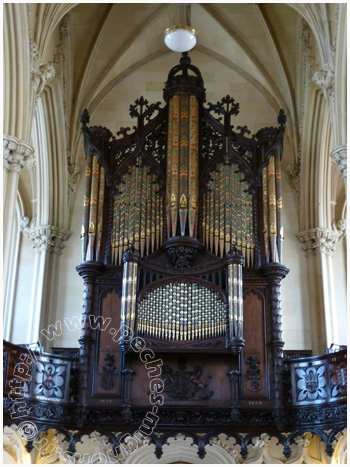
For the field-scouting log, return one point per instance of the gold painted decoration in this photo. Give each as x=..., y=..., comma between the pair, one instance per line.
x=227, y=214
x=266, y=230
x=92, y=227
x=148, y=213
x=228, y=210
x=193, y=168
x=129, y=290
x=169, y=166
x=182, y=166
x=138, y=208
x=184, y=161
x=280, y=235
x=93, y=208
x=86, y=209
x=272, y=209
x=271, y=185
x=101, y=195
x=174, y=181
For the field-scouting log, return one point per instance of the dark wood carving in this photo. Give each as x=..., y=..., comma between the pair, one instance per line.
x=108, y=373
x=185, y=384
x=253, y=374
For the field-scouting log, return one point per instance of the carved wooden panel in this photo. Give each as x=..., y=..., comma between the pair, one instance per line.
x=254, y=365
x=107, y=349
x=197, y=380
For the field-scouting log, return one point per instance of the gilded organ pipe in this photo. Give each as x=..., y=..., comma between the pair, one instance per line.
x=93, y=208
x=266, y=214
x=271, y=185
x=272, y=210
x=174, y=161
x=193, y=168
x=101, y=195
x=92, y=226
x=280, y=234
x=138, y=213
x=86, y=210
x=182, y=166
x=228, y=213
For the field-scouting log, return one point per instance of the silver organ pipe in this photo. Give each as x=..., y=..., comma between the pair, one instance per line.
x=235, y=292
x=182, y=311
x=129, y=290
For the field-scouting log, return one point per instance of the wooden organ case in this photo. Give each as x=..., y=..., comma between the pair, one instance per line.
x=182, y=261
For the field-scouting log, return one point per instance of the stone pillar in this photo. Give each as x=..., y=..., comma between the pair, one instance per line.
x=16, y=155
x=47, y=242
x=339, y=155
x=319, y=244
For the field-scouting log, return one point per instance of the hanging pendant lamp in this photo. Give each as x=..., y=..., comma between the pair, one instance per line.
x=180, y=37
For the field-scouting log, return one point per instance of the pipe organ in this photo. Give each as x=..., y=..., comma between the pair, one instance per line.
x=182, y=247
x=181, y=332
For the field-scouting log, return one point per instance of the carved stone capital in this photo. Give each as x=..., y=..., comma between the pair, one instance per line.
x=74, y=173
x=17, y=153
x=40, y=74
x=293, y=176
x=339, y=155
x=304, y=440
x=318, y=240
x=261, y=441
x=324, y=78
x=45, y=237
x=73, y=176
x=340, y=227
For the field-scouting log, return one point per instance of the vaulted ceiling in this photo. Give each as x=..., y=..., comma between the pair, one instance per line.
x=251, y=51
x=257, y=42
x=254, y=45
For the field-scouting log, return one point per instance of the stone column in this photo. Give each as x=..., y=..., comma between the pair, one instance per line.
x=16, y=155
x=47, y=242
x=319, y=244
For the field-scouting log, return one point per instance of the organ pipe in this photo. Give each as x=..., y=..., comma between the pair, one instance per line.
x=182, y=311
x=138, y=214
x=228, y=213
x=86, y=210
x=272, y=210
x=235, y=293
x=129, y=291
x=182, y=166
x=92, y=226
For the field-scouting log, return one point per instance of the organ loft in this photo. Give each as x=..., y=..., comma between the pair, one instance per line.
x=182, y=255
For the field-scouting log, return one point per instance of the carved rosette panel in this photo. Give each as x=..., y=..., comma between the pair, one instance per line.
x=311, y=383
x=338, y=380
x=49, y=380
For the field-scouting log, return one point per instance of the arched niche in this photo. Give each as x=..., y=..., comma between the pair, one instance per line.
x=180, y=451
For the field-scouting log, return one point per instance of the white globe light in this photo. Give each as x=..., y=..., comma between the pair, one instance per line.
x=180, y=38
